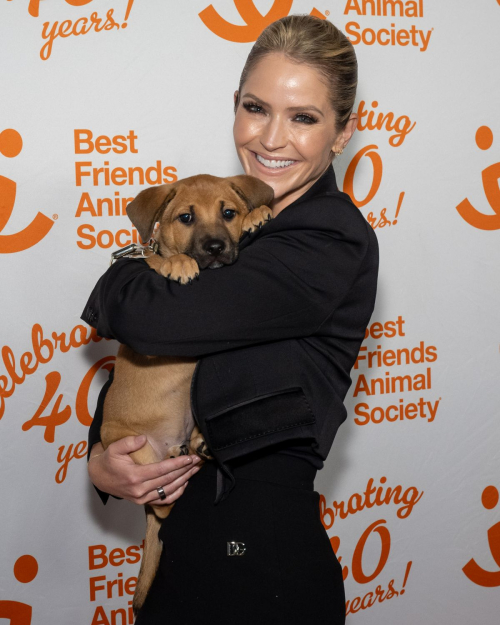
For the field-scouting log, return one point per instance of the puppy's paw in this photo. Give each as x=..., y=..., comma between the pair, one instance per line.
x=197, y=445
x=203, y=451
x=177, y=450
x=181, y=268
x=256, y=219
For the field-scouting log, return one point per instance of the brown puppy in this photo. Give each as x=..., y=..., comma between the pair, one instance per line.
x=201, y=220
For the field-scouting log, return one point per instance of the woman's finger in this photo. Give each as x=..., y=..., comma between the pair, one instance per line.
x=169, y=489
x=167, y=470
x=127, y=445
x=168, y=484
x=170, y=499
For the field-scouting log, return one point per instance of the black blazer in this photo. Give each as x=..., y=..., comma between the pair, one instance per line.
x=277, y=333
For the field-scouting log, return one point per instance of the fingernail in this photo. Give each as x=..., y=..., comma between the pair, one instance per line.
x=196, y=459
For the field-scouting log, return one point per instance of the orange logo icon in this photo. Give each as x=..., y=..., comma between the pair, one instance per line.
x=491, y=176
x=25, y=571
x=254, y=20
x=472, y=570
x=11, y=145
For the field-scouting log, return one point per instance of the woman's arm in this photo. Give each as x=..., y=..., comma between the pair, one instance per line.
x=285, y=284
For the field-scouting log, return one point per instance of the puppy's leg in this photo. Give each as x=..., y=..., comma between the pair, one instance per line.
x=256, y=219
x=150, y=558
x=179, y=267
x=152, y=546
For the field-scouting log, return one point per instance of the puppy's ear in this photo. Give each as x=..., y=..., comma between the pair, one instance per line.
x=147, y=208
x=253, y=191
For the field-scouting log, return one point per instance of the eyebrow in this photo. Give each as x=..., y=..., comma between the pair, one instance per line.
x=308, y=107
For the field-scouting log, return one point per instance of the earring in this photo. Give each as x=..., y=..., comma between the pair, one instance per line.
x=339, y=152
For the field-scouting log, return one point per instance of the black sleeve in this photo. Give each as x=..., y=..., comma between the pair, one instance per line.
x=95, y=429
x=285, y=284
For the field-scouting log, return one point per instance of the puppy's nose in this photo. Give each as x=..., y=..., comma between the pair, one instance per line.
x=214, y=247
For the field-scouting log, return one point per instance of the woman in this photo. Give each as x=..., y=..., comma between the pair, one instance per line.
x=277, y=334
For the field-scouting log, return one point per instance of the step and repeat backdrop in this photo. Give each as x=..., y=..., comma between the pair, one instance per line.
x=102, y=98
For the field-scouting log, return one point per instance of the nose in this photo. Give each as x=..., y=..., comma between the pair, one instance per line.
x=274, y=136
x=214, y=247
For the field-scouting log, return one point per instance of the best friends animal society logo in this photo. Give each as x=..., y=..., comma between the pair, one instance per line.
x=490, y=177
x=11, y=144
x=387, y=35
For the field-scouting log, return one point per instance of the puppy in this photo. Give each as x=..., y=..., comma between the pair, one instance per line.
x=199, y=223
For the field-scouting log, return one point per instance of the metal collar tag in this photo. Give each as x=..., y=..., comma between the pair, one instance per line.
x=134, y=250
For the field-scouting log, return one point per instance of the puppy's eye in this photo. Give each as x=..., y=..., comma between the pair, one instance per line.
x=228, y=213
x=186, y=218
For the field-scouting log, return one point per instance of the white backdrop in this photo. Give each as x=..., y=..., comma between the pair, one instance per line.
x=410, y=490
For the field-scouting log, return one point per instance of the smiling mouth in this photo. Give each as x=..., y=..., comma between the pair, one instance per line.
x=273, y=163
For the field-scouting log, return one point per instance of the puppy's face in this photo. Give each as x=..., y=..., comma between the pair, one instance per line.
x=203, y=220
x=201, y=216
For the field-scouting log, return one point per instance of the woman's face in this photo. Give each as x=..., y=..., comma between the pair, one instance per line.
x=284, y=129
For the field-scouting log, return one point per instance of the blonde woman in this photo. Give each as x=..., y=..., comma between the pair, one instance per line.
x=277, y=334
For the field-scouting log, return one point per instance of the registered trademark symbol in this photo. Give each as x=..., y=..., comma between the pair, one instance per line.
x=54, y=217
x=327, y=12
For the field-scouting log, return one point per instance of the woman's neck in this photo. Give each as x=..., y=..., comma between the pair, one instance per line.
x=279, y=204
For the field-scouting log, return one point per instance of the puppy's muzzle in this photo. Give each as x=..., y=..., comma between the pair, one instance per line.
x=215, y=253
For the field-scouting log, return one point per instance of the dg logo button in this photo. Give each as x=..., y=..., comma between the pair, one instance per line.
x=235, y=548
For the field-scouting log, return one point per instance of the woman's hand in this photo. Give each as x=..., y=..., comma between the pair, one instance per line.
x=113, y=471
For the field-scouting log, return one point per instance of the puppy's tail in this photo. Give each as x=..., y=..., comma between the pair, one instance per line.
x=150, y=559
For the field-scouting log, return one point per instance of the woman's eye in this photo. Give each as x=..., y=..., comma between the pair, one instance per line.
x=305, y=119
x=252, y=107
x=228, y=213
x=186, y=218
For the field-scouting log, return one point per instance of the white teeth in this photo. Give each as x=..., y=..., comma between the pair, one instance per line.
x=273, y=164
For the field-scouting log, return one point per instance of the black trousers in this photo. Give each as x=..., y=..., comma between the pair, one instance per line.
x=288, y=573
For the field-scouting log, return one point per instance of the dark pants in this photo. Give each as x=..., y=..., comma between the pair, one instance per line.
x=288, y=574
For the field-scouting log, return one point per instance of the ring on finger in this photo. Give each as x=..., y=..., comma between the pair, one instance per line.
x=161, y=493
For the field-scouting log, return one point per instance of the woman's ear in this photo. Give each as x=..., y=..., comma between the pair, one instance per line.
x=345, y=135
x=236, y=100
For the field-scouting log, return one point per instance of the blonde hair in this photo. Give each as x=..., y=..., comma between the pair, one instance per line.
x=319, y=44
